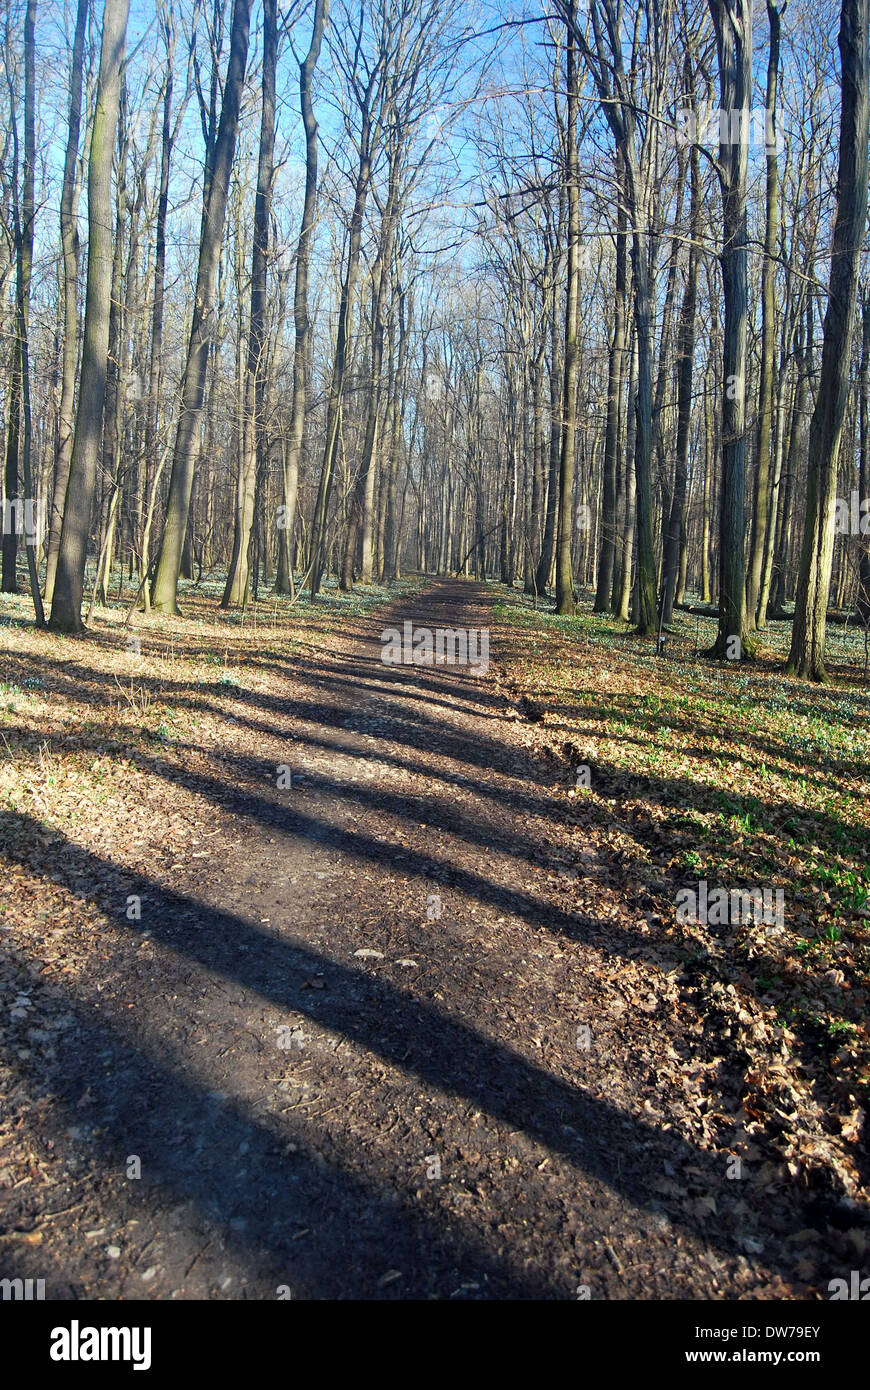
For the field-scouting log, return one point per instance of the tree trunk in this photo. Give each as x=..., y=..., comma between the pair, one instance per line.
x=70, y=248
x=564, y=572
x=165, y=593
x=615, y=371
x=732, y=20
x=252, y=454
x=685, y=369
x=339, y=366
x=293, y=454
x=864, y=457
x=69, y=582
x=361, y=506
x=545, y=563
x=761, y=510
x=807, y=654
x=156, y=358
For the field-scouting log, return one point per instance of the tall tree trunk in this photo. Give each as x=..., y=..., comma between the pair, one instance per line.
x=155, y=365
x=707, y=502
x=685, y=369
x=339, y=366
x=361, y=506
x=13, y=448
x=564, y=572
x=732, y=20
x=615, y=372
x=622, y=572
x=773, y=510
x=807, y=654
x=70, y=247
x=864, y=456
x=252, y=456
x=69, y=581
x=293, y=454
x=766, y=394
x=393, y=530
x=111, y=444
x=548, y=542
x=165, y=592
x=645, y=578
x=776, y=606
x=23, y=227
x=533, y=532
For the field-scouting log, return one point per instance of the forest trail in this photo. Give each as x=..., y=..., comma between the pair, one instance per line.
x=369, y=1047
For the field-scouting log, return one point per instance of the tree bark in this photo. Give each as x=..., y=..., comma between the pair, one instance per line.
x=732, y=20
x=761, y=509
x=807, y=655
x=564, y=571
x=69, y=238
x=164, y=596
x=69, y=581
x=253, y=444
x=293, y=453
x=685, y=368
x=864, y=456
x=615, y=372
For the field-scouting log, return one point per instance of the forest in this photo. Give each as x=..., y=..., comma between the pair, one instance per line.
x=434, y=650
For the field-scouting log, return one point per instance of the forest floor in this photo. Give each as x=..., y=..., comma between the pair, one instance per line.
x=423, y=1023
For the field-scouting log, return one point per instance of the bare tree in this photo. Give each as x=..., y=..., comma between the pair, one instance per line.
x=254, y=390
x=732, y=20
x=302, y=322
x=70, y=246
x=807, y=653
x=164, y=595
x=67, y=598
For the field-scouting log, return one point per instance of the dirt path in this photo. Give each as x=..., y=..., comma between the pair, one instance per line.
x=473, y=1107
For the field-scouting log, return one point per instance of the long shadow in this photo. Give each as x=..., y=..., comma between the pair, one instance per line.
x=490, y=753
x=682, y=791
x=645, y=831
x=287, y=817
x=631, y=708
x=424, y=1040
x=665, y=791
x=344, y=676
x=235, y=1168
x=383, y=680
x=480, y=833
x=307, y=710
